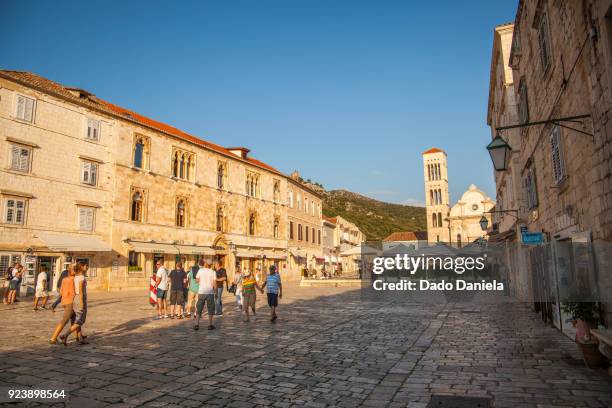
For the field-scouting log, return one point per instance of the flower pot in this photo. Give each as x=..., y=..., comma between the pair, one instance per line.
x=591, y=355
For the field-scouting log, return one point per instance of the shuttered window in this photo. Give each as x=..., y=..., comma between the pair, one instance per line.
x=531, y=192
x=20, y=158
x=25, y=108
x=557, y=155
x=86, y=218
x=14, y=211
x=93, y=129
x=544, y=42
x=89, y=173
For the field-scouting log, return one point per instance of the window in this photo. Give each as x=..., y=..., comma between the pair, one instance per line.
x=440, y=220
x=544, y=42
x=86, y=218
x=141, y=152
x=220, y=219
x=434, y=220
x=312, y=207
x=306, y=205
x=531, y=193
x=431, y=197
x=307, y=229
x=181, y=212
x=25, y=108
x=459, y=240
x=290, y=198
x=299, y=201
x=134, y=262
x=252, y=222
x=299, y=232
x=290, y=229
x=20, y=158
x=475, y=207
x=276, y=227
x=221, y=167
x=276, y=191
x=557, y=155
x=93, y=129
x=14, y=211
x=523, y=105
x=183, y=164
x=89, y=173
x=137, y=205
x=252, y=184
x=319, y=237
x=313, y=235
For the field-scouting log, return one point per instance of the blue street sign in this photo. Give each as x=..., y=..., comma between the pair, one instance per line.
x=532, y=238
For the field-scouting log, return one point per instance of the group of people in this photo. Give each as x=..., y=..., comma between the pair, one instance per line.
x=73, y=298
x=189, y=292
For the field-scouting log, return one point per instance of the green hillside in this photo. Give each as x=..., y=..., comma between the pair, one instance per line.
x=376, y=219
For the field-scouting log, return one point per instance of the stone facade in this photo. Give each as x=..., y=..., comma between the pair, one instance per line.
x=561, y=58
x=97, y=183
x=466, y=214
x=437, y=201
x=304, y=214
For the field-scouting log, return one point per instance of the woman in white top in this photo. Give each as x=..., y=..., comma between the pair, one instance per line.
x=238, y=283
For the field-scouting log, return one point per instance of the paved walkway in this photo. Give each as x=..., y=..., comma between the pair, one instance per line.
x=329, y=348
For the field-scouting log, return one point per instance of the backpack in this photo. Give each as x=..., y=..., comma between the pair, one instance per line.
x=9, y=273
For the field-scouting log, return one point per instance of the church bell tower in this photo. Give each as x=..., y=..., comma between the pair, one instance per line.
x=436, y=195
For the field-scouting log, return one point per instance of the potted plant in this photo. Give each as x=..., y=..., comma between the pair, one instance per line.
x=585, y=315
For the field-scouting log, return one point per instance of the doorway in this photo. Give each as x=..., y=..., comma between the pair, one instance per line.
x=48, y=263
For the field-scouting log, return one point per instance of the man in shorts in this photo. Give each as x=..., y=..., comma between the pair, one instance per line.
x=161, y=285
x=178, y=279
x=275, y=291
x=207, y=279
x=41, y=289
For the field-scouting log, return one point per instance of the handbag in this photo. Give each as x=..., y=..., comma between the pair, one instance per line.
x=232, y=289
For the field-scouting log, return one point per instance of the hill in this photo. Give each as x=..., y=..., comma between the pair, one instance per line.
x=376, y=219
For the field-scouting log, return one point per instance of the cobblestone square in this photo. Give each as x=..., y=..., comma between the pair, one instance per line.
x=329, y=348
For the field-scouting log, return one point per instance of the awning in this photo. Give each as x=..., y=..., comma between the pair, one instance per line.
x=246, y=253
x=275, y=255
x=509, y=235
x=153, y=247
x=195, y=250
x=73, y=243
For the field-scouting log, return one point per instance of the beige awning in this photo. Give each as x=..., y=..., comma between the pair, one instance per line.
x=153, y=247
x=247, y=253
x=195, y=250
x=275, y=255
x=73, y=243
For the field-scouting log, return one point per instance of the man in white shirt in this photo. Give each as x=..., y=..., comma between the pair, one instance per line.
x=41, y=289
x=207, y=279
x=161, y=279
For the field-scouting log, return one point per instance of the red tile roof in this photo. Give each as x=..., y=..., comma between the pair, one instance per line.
x=46, y=85
x=433, y=150
x=330, y=219
x=407, y=236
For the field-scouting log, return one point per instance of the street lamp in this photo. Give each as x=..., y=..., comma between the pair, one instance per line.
x=499, y=150
x=484, y=223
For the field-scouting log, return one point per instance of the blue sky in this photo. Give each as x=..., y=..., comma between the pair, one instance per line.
x=348, y=92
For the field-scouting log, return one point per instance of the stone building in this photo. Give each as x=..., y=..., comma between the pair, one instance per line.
x=83, y=179
x=561, y=60
x=331, y=245
x=350, y=238
x=466, y=214
x=304, y=212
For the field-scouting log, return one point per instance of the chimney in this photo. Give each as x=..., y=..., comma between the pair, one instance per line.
x=241, y=152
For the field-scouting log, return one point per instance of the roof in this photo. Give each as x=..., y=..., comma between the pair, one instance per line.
x=330, y=219
x=91, y=101
x=433, y=150
x=407, y=236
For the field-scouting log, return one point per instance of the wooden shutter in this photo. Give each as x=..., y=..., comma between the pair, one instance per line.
x=557, y=157
x=93, y=173
x=19, y=211
x=20, y=107
x=29, y=109
x=24, y=159
x=86, y=167
x=10, y=211
x=15, y=150
x=86, y=216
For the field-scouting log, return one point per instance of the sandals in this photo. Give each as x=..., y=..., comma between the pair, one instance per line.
x=64, y=339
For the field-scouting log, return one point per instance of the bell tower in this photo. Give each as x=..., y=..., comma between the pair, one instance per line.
x=437, y=201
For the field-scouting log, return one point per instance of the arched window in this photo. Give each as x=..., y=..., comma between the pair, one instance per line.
x=276, y=191
x=188, y=169
x=181, y=211
x=136, y=207
x=252, y=221
x=221, y=175
x=276, y=227
x=459, y=240
x=431, y=197
x=440, y=196
x=220, y=219
x=434, y=220
x=439, y=172
x=182, y=167
x=175, y=165
x=439, y=219
x=141, y=152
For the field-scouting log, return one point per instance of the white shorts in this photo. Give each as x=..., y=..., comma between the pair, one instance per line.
x=41, y=292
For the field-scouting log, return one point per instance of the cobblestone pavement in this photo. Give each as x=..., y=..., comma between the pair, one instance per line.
x=329, y=348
